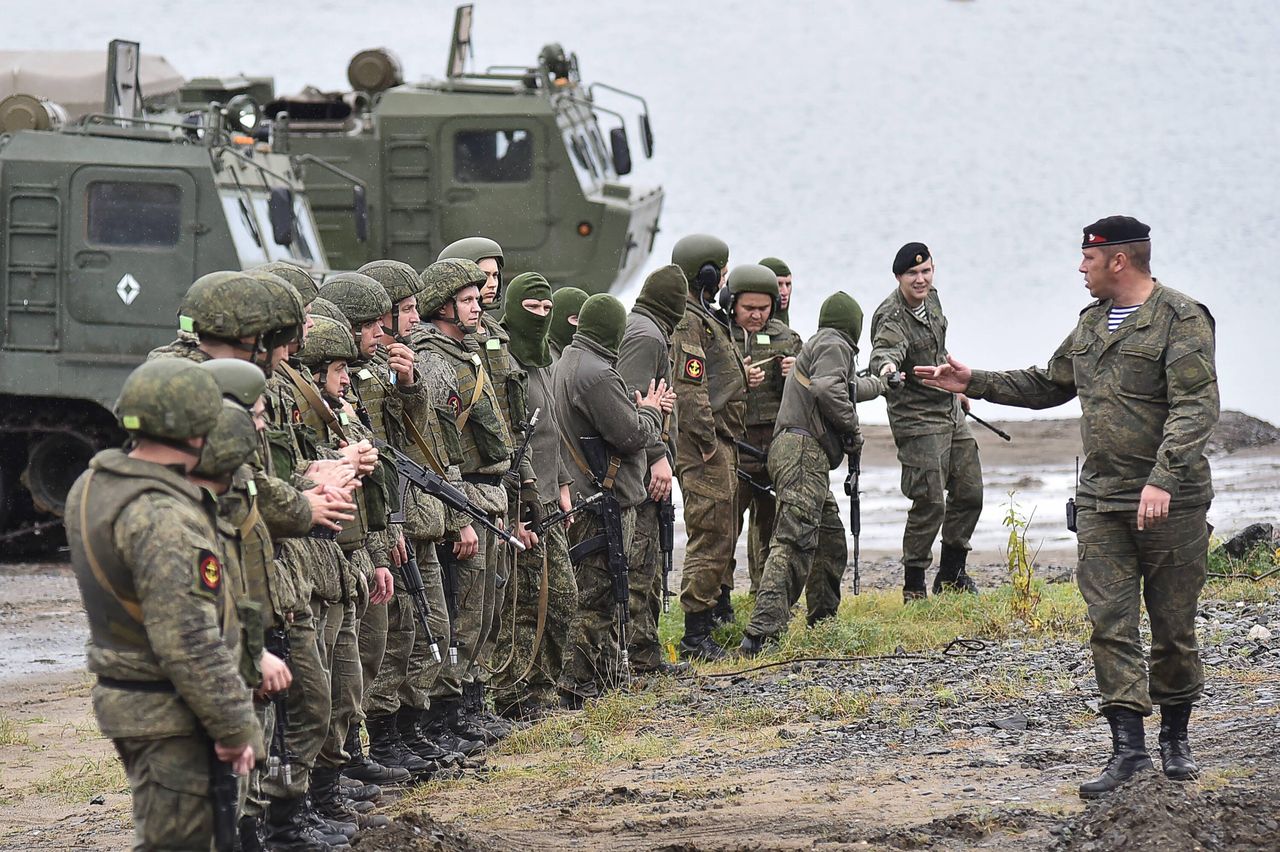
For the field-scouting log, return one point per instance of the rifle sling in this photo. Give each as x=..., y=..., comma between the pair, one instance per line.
x=412, y=429
x=481, y=376
x=605, y=484
x=321, y=407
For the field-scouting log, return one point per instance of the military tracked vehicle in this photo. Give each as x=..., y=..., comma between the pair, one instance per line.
x=106, y=217
x=516, y=153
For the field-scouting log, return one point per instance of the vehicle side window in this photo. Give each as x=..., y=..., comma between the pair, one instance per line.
x=128, y=213
x=492, y=156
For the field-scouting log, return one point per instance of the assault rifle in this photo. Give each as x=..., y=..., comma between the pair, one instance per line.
x=512, y=476
x=752, y=450
x=667, y=544
x=412, y=577
x=611, y=541
x=449, y=579
x=279, y=761
x=446, y=492
x=759, y=487
x=851, y=483
x=224, y=789
x=561, y=515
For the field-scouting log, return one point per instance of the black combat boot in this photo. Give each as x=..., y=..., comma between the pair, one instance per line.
x=326, y=796
x=913, y=586
x=434, y=726
x=722, y=613
x=951, y=576
x=1175, y=750
x=477, y=711
x=751, y=645
x=386, y=747
x=1128, y=753
x=408, y=723
x=697, y=643
x=250, y=831
x=457, y=720
x=370, y=772
x=287, y=829
x=357, y=791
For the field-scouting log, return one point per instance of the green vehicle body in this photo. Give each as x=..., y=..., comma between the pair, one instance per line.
x=104, y=223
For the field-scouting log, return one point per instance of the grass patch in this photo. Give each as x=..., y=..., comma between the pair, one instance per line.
x=13, y=733
x=746, y=717
x=79, y=782
x=827, y=703
x=592, y=728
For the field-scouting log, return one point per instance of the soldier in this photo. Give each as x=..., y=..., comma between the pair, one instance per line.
x=783, y=273
x=510, y=385
x=1141, y=361
x=770, y=347
x=543, y=588
x=711, y=383
x=450, y=299
x=162, y=638
x=941, y=471
x=565, y=304
x=607, y=430
x=817, y=427
x=644, y=357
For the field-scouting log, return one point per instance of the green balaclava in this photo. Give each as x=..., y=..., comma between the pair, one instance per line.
x=663, y=296
x=603, y=320
x=780, y=269
x=841, y=312
x=528, y=331
x=567, y=301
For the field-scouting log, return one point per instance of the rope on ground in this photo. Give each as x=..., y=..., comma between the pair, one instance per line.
x=958, y=647
x=1221, y=575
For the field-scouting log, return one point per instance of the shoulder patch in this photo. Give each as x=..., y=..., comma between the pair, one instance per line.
x=694, y=368
x=455, y=403
x=208, y=572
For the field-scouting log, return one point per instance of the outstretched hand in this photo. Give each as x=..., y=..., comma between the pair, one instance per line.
x=951, y=376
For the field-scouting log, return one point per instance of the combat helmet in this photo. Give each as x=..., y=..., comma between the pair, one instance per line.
x=169, y=399
x=237, y=380
x=444, y=279
x=703, y=258
x=322, y=307
x=227, y=306
x=360, y=298
x=288, y=312
x=477, y=249
x=292, y=274
x=327, y=341
x=750, y=278
x=231, y=442
x=400, y=280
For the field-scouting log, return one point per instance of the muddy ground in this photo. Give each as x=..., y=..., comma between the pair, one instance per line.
x=981, y=750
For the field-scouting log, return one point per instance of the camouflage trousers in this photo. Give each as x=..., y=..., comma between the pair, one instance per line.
x=425, y=674
x=474, y=587
x=596, y=644
x=760, y=508
x=169, y=782
x=708, y=493
x=338, y=626
x=551, y=554
x=498, y=564
x=942, y=477
x=644, y=576
x=408, y=670
x=309, y=704
x=809, y=549
x=1119, y=569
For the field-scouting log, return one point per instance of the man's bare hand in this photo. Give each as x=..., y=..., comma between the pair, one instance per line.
x=951, y=376
x=276, y=676
x=658, y=396
x=400, y=358
x=787, y=363
x=755, y=375
x=383, y=586
x=399, y=551
x=1153, y=507
x=241, y=758
x=566, y=503
x=468, y=543
x=660, y=480
x=527, y=537
x=362, y=456
x=964, y=402
x=335, y=472
x=329, y=507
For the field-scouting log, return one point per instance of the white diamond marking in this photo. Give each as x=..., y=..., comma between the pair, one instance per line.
x=128, y=289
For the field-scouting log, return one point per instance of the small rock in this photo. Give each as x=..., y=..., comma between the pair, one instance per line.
x=786, y=734
x=1016, y=722
x=98, y=800
x=1258, y=633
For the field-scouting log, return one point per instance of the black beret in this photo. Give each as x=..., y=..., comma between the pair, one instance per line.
x=912, y=254
x=1115, y=230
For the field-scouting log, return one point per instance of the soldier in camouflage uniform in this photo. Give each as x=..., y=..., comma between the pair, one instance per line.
x=770, y=348
x=941, y=471
x=565, y=304
x=644, y=357
x=162, y=627
x=783, y=272
x=541, y=621
x=593, y=406
x=510, y=383
x=817, y=427
x=711, y=387
x=1141, y=362
x=450, y=300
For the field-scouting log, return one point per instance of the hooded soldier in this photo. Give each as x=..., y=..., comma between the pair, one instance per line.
x=565, y=304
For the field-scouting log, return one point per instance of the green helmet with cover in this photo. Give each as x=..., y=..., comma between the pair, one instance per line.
x=231, y=442
x=327, y=341
x=695, y=253
x=227, y=305
x=292, y=274
x=444, y=279
x=288, y=313
x=400, y=280
x=170, y=399
x=239, y=380
x=322, y=307
x=361, y=298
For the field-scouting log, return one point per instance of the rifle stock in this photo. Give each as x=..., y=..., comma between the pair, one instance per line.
x=413, y=584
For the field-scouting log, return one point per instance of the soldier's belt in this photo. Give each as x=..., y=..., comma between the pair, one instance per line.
x=494, y=479
x=796, y=430
x=159, y=686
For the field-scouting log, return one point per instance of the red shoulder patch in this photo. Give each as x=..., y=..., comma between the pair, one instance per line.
x=455, y=402
x=694, y=368
x=209, y=571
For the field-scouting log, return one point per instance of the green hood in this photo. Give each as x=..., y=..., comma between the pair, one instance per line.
x=664, y=295
x=568, y=302
x=528, y=331
x=842, y=313
x=603, y=320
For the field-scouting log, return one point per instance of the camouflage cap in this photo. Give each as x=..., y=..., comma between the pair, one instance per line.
x=227, y=305
x=231, y=442
x=753, y=278
x=400, y=280
x=322, y=307
x=693, y=252
x=358, y=296
x=444, y=279
x=474, y=249
x=170, y=398
x=328, y=341
x=242, y=381
x=292, y=274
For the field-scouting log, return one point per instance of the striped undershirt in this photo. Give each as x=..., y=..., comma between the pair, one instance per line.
x=1119, y=315
x=922, y=312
